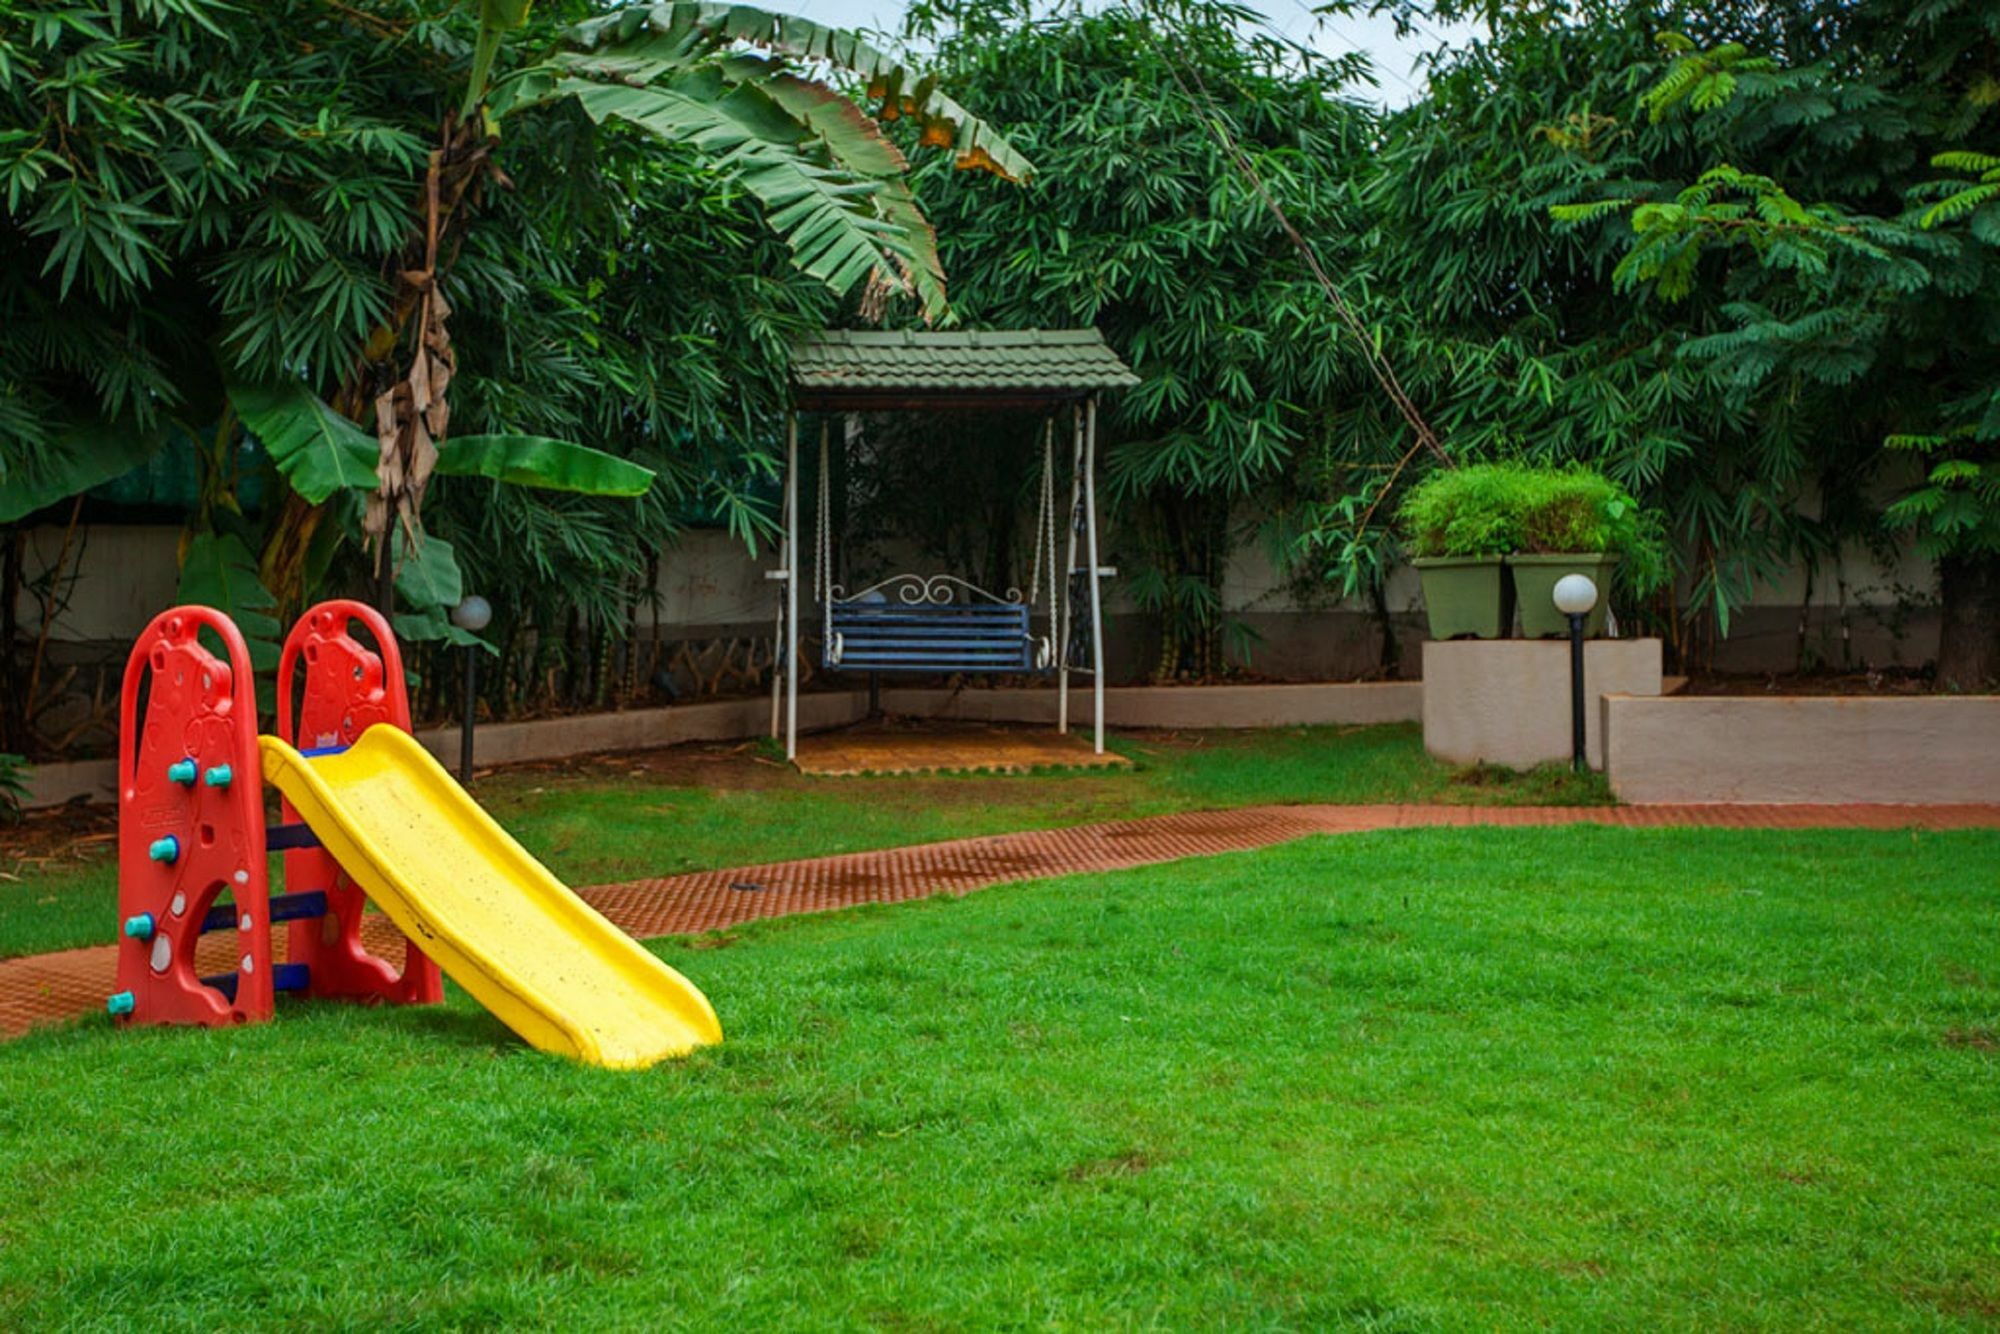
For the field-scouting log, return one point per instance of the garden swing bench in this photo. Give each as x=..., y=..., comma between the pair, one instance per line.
x=944, y=623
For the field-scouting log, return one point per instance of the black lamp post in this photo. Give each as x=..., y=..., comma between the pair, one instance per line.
x=1575, y=595
x=472, y=615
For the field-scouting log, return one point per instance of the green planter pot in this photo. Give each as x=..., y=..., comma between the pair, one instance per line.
x=1535, y=585
x=1464, y=595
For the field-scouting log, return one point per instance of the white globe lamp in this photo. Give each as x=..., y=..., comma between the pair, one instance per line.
x=475, y=613
x=1574, y=596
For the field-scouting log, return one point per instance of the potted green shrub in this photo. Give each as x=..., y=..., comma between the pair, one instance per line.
x=1460, y=523
x=1575, y=521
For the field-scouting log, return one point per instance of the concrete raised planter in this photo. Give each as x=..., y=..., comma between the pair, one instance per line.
x=1930, y=748
x=1506, y=701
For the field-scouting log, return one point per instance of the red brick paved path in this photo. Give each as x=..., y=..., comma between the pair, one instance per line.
x=59, y=986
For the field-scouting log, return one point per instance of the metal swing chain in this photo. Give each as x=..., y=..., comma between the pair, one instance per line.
x=823, y=552
x=823, y=536
x=1045, y=536
x=1049, y=508
x=1045, y=519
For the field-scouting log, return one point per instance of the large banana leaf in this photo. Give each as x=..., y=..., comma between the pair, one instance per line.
x=827, y=216
x=537, y=461
x=221, y=572
x=318, y=450
x=851, y=137
x=428, y=576
x=855, y=141
x=694, y=29
x=76, y=460
x=830, y=182
x=926, y=269
x=430, y=583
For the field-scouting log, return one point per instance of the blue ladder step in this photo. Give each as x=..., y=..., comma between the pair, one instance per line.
x=284, y=837
x=284, y=908
x=284, y=977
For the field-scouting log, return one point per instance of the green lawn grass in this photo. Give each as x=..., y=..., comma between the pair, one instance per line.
x=1429, y=1078
x=616, y=818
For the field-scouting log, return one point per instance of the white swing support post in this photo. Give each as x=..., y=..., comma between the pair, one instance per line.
x=1096, y=574
x=792, y=586
x=1083, y=504
x=1069, y=568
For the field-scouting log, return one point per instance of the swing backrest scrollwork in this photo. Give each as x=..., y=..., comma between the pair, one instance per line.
x=937, y=590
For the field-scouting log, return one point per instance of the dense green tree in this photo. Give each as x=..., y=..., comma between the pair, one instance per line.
x=219, y=217
x=1140, y=223
x=185, y=172
x=1743, y=358
x=1851, y=277
x=1509, y=329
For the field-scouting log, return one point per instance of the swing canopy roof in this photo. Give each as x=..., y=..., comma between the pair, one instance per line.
x=1013, y=368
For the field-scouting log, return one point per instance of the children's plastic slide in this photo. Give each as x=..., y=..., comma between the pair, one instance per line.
x=368, y=817
x=498, y=923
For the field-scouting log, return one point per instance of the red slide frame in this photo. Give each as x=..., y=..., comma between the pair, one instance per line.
x=191, y=818
x=191, y=776
x=348, y=688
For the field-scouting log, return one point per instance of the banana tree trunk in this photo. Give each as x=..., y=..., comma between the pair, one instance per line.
x=413, y=412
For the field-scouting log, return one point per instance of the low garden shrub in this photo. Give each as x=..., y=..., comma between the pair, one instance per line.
x=1470, y=511
x=1499, y=509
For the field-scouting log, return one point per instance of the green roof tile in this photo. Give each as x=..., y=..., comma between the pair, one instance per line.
x=961, y=361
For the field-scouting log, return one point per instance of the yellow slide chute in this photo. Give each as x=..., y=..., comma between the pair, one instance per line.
x=497, y=922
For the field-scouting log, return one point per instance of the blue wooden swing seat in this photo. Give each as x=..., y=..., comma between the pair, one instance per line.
x=874, y=633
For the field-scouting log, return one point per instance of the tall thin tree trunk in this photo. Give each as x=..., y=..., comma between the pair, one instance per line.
x=1969, y=632
x=51, y=596
x=385, y=570
x=1163, y=666
x=1391, y=661
x=13, y=705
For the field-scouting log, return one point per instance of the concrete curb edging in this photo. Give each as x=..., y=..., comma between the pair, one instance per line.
x=1221, y=707
x=1191, y=707
x=640, y=729
x=538, y=739
x=60, y=784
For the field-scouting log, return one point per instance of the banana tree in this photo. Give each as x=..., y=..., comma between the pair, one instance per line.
x=335, y=354
x=739, y=86
x=327, y=459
